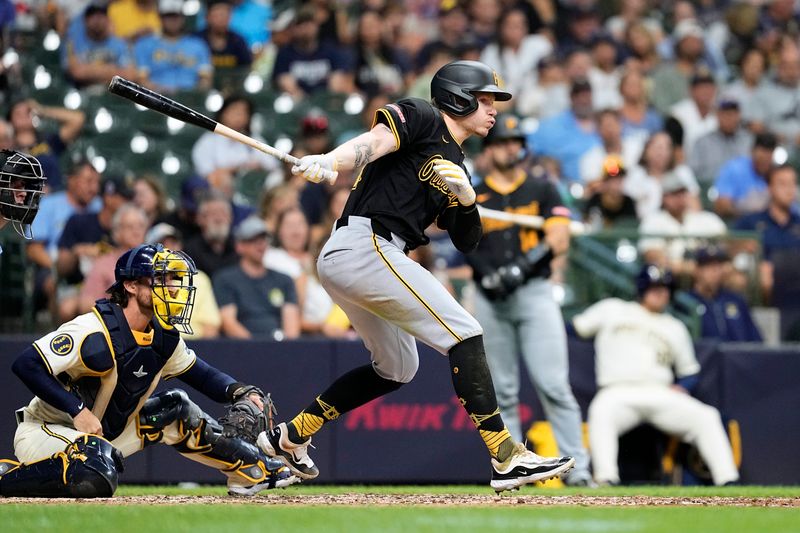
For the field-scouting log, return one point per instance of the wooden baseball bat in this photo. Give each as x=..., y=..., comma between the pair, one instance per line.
x=169, y=107
x=528, y=221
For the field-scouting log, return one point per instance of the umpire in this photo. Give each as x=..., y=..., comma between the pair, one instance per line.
x=515, y=302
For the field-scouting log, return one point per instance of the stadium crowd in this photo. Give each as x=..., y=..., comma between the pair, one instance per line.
x=677, y=118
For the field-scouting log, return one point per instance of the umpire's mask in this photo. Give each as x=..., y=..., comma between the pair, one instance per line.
x=21, y=188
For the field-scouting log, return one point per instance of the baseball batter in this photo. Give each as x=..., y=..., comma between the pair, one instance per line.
x=515, y=303
x=639, y=351
x=93, y=378
x=411, y=175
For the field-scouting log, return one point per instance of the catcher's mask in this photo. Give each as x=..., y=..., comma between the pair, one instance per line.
x=172, y=281
x=21, y=188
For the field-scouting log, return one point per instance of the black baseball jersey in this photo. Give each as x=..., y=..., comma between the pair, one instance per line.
x=400, y=189
x=503, y=242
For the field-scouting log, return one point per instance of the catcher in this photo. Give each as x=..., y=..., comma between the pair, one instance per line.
x=93, y=380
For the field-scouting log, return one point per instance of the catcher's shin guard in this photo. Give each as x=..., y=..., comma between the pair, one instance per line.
x=88, y=468
x=202, y=439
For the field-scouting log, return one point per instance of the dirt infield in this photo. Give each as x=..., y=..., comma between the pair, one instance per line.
x=439, y=500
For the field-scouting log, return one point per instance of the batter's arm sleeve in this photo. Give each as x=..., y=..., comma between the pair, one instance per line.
x=464, y=226
x=33, y=371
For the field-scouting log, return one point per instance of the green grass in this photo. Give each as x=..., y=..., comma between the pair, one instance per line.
x=241, y=517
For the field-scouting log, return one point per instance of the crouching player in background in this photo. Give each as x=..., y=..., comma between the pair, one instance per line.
x=639, y=351
x=93, y=379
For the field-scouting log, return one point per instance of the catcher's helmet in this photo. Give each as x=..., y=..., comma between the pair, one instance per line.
x=454, y=86
x=653, y=276
x=21, y=188
x=172, y=281
x=506, y=127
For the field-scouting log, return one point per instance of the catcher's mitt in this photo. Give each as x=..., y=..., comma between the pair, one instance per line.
x=245, y=420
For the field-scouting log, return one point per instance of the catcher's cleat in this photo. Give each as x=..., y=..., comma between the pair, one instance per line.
x=276, y=480
x=524, y=467
x=276, y=443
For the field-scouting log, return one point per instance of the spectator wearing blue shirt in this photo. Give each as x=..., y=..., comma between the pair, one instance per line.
x=251, y=20
x=95, y=55
x=724, y=315
x=741, y=184
x=46, y=147
x=567, y=136
x=228, y=49
x=79, y=196
x=173, y=61
x=306, y=65
x=778, y=225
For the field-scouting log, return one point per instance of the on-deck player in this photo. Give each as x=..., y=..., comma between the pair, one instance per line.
x=411, y=175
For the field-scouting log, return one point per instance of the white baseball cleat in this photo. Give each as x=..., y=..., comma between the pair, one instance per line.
x=524, y=467
x=276, y=444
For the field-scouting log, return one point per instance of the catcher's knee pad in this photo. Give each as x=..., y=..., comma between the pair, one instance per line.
x=166, y=407
x=88, y=468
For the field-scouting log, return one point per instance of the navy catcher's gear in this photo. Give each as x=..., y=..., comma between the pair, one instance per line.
x=88, y=468
x=653, y=276
x=453, y=87
x=21, y=188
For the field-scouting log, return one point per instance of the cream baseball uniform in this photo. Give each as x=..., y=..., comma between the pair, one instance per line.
x=637, y=356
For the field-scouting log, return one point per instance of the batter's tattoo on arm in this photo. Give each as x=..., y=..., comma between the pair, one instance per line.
x=364, y=153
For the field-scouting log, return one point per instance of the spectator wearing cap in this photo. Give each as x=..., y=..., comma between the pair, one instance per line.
x=566, y=137
x=750, y=81
x=95, y=55
x=380, y=66
x=729, y=141
x=671, y=79
x=549, y=95
x=213, y=248
x=255, y=301
x=677, y=226
x=724, y=315
x=174, y=60
x=775, y=105
x=515, y=53
x=217, y=158
x=609, y=205
x=128, y=229
x=206, y=319
x=605, y=73
x=307, y=65
x=79, y=196
x=638, y=117
x=612, y=142
x=229, y=50
x=778, y=226
x=696, y=114
x=453, y=26
x=658, y=161
x=741, y=184
x=133, y=19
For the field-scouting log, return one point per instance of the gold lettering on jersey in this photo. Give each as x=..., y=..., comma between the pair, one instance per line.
x=62, y=344
x=490, y=225
x=427, y=174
